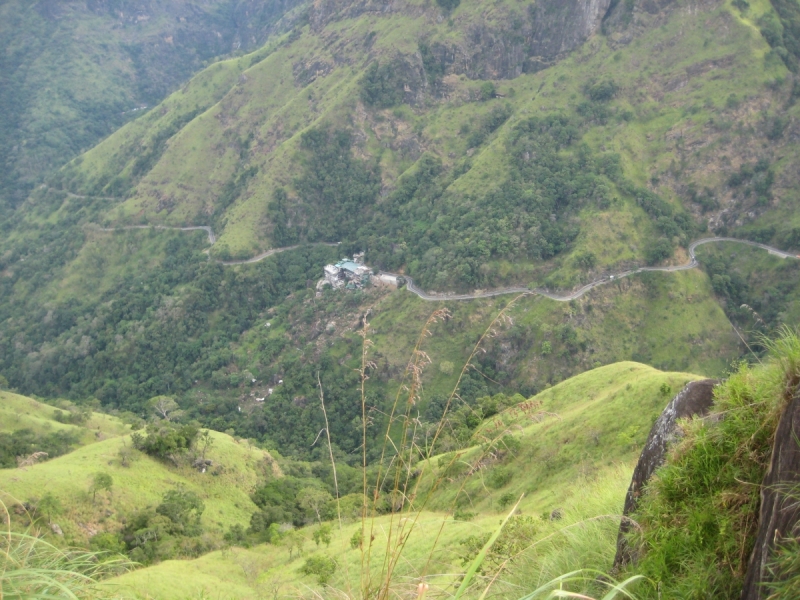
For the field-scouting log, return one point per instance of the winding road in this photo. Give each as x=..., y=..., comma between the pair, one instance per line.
x=433, y=297
x=692, y=264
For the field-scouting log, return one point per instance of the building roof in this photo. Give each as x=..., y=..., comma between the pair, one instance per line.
x=348, y=265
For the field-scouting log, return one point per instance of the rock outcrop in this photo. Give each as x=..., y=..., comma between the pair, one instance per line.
x=779, y=516
x=694, y=400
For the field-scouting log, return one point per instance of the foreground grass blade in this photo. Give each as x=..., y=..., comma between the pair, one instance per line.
x=476, y=564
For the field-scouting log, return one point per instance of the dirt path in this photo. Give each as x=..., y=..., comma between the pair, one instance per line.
x=434, y=297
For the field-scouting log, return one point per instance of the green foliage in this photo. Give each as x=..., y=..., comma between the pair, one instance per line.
x=337, y=190
x=170, y=531
x=699, y=516
x=448, y=5
x=499, y=477
x=602, y=91
x=165, y=440
x=754, y=179
x=49, y=506
x=434, y=68
x=781, y=29
x=488, y=91
x=320, y=566
x=514, y=221
x=585, y=260
x=24, y=442
x=101, y=482
x=282, y=232
x=184, y=508
x=136, y=352
x=382, y=84
x=291, y=500
x=506, y=500
x=489, y=124
x=322, y=534
x=357, y=540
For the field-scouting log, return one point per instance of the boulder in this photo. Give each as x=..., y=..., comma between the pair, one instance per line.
x=695, y=399
x=780, y=511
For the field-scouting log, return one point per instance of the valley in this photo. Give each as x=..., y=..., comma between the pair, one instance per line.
x=583, y=212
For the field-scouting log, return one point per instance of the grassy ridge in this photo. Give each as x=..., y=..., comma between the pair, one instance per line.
x=20, y=412
x=139, y=482
x=576, y=459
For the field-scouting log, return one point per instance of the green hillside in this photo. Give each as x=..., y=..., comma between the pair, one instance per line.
x=99, y=443
x=574, y=456
x=71, y=73
x=20, y=412
x=650, y=114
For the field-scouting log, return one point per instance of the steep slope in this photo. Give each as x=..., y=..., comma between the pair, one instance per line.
x=651, y=116
x=139, y=482
x=20, y=412
x=571, y=452
x=73, y=72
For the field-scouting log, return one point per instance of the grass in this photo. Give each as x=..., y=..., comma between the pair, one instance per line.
x=32, y=568
x=20, y=412
x=699, y=515
x=558, y=467
x=224, y=489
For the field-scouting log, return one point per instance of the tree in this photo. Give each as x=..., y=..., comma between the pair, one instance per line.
x=206, y=441
x=50, y=506
x=184, y=509
x=3, y=383
x=293, y=541
x=313, y=499
x=101, y=482
x=323, y=567
x=165, y=407
x=322, y=534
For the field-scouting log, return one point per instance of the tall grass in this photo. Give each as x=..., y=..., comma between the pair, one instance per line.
x=405, y=474
x=32, y=568
x=699, y=517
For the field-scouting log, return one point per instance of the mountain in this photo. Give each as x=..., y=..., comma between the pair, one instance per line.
x=479, y=148
x=483, y=145
x=71, y=73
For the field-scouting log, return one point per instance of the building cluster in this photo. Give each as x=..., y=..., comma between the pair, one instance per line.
x=348, y=273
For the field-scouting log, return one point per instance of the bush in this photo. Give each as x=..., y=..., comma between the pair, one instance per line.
x=382, y=85
x=657, y=251
x=322, y=567
x=165, y=440
x=25, y=442
x=448, y=5
x=499, y=477
x=488, y=90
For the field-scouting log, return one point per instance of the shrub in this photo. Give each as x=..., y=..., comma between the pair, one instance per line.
x=448, y=5
x=165, y=440
x=499, y=477
x=382, y=85
x=322, y=567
